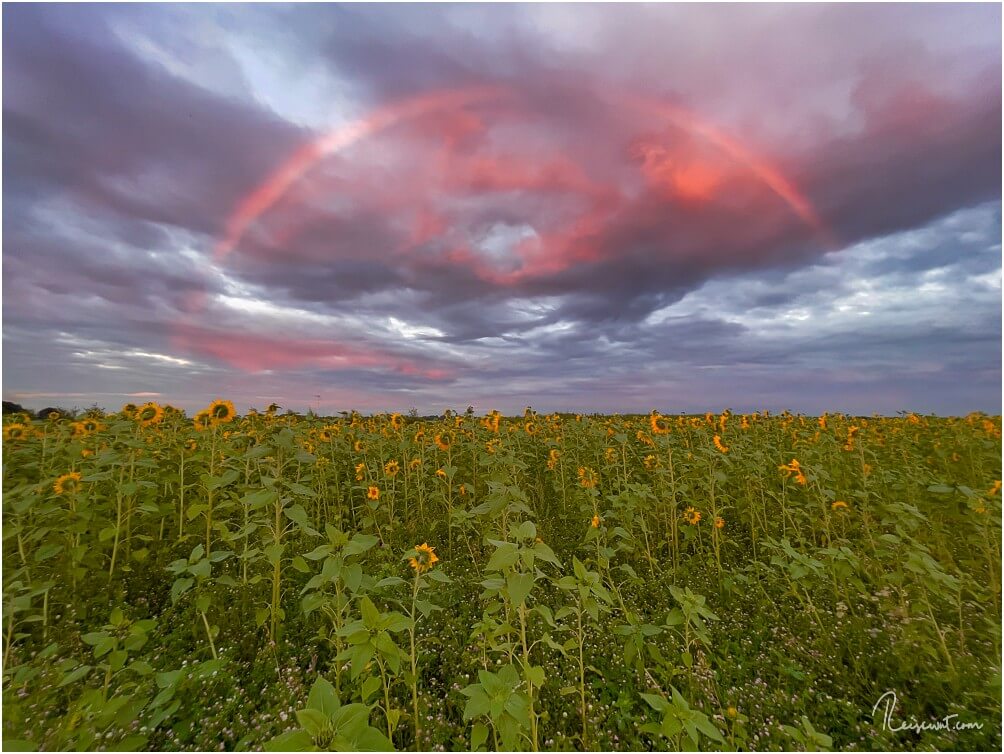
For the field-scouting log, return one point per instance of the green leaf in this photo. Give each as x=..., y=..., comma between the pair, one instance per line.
x=74, y=676
x=313, y=721
x=519, y=586
x=296, y=740
x=323, y=697
x=179, y=587
x=504, y=557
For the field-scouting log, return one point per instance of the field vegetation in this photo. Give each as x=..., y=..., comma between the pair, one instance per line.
x=281, y=581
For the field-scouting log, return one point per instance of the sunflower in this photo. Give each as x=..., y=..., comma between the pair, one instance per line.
x=587, y=477
x=391, y=468
x=324, y=435
x=373, y=493
x=16, y=432
x=54, y=415
x=441, y=473
x=423, y=559
x=838, y=504
x=531, y=428
x=552, y=458
x=358, y=446
x=67, y=484
x=794, y=468
x=719, y=522
x=650, y=462
x=414, y=464
x=718, y=444
x=202, y=420
x=610, y=455
x=595, y=523
x=443, y=441
x=462, y=489
x=692, y=516
x=190, y=444
x=90, y=425
x=222, y=411
x=492, y=445
x=658, y=423
x=149, y=414
x=396, y=421
x=995, y=488
x=491, y=421
x=360, y=471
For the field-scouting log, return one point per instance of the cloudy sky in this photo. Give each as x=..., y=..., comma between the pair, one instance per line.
x=610, y=208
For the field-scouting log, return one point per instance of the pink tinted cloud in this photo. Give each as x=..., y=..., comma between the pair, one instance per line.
x=257, y=353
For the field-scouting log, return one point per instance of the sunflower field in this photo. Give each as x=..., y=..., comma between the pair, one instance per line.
x=471, y=583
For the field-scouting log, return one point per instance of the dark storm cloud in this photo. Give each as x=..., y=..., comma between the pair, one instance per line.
x=656, y=246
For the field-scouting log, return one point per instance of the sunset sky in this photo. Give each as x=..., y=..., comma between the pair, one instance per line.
x=579, y=208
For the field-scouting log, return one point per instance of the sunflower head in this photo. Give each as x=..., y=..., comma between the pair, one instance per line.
x=837, y=505
x=358, y=446
x=373, y=493
x=423, y=559
x=16, y=431
x=692, y=516
x=658, y=423
x=444, y=441
x=595, y=523
x=191, y=444
x=531, y=428
x=391, y=468
x=203, y=420
x=67, y=484
x=587, y=477
x=149, y=414
x=441, y=473
x=222, y=411
x=491, y=421
x=719, y=522
x=396, y=422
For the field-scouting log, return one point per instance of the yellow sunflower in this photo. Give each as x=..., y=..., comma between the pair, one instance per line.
x=190, y=444
x=373, y=493
x=658, y=423
x=718, y=444
x=423, y=559
x=443, y=441
x=552, y=458
x=360, y=471
x=692, y=516
x=203, y=420
x=149, y=414
x=838, y=504
x=222, y=411
x=16, y=432
x=67, y=484
x=491, y=421
x=391, y=468
x=587, y=477
x=397, y=422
